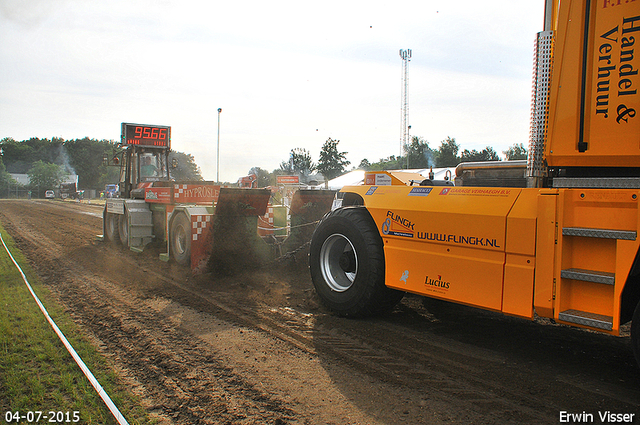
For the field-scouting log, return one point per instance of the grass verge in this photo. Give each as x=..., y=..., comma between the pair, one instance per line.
x=36, y=371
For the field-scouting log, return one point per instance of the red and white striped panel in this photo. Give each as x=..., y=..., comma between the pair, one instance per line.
x=198, y=224
x=265, y=222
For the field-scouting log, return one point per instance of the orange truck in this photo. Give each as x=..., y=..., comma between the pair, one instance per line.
x=554, y=236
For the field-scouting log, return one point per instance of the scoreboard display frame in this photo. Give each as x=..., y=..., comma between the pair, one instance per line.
x=153, y=136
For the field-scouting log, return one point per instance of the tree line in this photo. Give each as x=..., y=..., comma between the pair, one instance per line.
x=417, y=155
x=48, y=162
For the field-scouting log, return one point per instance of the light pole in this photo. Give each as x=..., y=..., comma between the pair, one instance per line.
x=405, y=55
x=218, y=153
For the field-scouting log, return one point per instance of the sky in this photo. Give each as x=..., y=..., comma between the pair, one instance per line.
x=287, y=74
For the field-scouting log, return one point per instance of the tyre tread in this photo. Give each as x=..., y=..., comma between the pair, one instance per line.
x=185, y=259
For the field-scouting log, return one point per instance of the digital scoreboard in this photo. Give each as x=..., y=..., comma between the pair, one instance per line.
x=158, y=136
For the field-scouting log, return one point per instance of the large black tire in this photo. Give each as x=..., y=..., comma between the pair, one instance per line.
x=180, y=239
x=346, y=261
x=123, y=228
x=635, y=333
x=111, y=227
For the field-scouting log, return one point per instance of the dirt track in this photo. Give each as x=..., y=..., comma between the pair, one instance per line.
x=258, y=348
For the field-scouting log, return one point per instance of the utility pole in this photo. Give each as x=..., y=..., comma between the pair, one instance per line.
x=404, y=137
x=218, y=150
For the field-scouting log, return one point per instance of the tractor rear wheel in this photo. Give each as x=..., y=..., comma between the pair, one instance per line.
x=347, y=266
x=111, y=227
x=181, y=239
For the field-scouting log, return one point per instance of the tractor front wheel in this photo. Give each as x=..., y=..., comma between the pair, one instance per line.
x=346, y=261
x=111, y=231
x=123, y=228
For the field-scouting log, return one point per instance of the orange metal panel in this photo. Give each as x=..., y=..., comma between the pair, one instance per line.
x=465, y=275
x=588, y=254
x=521, y=224
x=503, y=249
x=517, y=297
x=610, y=122
x=565, y=97
x=445, y=242
x=587, y=296
x=545, y=253
x=610, y=209
x=614, y=209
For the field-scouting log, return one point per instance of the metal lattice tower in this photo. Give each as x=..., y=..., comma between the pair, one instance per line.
x=404, y=138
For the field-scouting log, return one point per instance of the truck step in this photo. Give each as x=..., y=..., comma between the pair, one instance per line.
x=593, y=320
x=589, y=276
x=599, y=233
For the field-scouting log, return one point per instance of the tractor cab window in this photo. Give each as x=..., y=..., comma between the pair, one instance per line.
x=152, y=166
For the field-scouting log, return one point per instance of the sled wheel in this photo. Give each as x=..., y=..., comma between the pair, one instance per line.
x=181, y=239
x=346, y=260
x=111, y=228
x=635, y=333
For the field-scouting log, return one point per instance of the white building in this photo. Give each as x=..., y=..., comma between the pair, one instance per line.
x=23, y=179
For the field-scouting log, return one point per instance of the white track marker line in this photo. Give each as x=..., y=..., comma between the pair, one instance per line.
x=101, y=392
